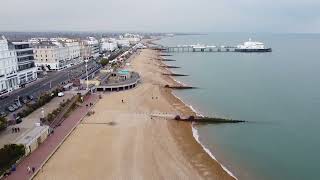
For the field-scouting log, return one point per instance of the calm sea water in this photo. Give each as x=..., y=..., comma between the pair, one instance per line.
x=278, y=93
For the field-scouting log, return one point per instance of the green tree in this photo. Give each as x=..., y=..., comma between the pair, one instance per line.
x=104, y=62
x=9, y=154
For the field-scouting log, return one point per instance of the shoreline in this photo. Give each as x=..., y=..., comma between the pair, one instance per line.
x=196, y=136
x=194, y=130
x=131, y=135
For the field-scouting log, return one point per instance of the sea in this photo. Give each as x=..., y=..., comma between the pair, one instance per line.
x=277, y=93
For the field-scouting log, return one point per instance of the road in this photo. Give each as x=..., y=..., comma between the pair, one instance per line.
x=52, y=80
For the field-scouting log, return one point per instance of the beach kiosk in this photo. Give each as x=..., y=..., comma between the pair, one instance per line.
x=33, y=138
x=124, y=74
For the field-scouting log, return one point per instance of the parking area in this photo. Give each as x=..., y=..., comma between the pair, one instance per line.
x=8, y=136
x=45, y=84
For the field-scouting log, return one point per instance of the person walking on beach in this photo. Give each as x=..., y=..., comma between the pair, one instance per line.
x=28, y=169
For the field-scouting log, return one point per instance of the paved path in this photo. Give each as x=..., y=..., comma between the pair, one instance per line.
x=7, y=137
x=40, y=155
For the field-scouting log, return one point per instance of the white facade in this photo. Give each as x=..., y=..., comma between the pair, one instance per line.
x=73, y=52
x=27, y=71
x=251, y=45
x=132, y=38
x=123, y=42
x=8, y=68
x=57, y=54
x=89, y=48
x=51, y=57
x=109, y=46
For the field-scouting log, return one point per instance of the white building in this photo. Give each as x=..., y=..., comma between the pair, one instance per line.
x=132, y=38
x=73, y=52
x=27, y=71
x=89, y=48
x=8, y=68
x=51, y=56
x=57, y=54
x=108, y=45
x=33, y=138
x=123, y=42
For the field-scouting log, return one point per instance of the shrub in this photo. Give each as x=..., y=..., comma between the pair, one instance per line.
x=43, y=99
x=50, y=117
x=177, y=117
x=3, y=123
x=9, y=154
x=104, y=62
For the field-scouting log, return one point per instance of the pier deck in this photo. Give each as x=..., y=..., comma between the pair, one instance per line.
x=189, y=48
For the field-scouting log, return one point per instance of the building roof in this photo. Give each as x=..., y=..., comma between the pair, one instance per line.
x=32, y=135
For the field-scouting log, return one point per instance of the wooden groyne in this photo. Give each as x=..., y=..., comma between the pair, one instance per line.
x=180, y=87
x=170, y=66
x=161, y=59
x=168, y=60
x=210, y=120
x=174, y=74
x=165, y=55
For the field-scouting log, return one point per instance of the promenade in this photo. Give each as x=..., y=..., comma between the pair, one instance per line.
x=38, y=158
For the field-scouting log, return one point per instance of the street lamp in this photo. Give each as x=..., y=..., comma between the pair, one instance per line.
x=86, y=61
x=42, y=113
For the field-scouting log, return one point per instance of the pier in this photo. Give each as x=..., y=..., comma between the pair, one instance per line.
x=198, y=48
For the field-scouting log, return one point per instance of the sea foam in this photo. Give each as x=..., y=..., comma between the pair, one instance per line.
x=196, y=136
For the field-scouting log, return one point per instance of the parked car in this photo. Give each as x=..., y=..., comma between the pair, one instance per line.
x=10, y=108
x=3, y=114
x=60, y=94
x=15, y=106
x=18, y=104
x=30, y=97
x=18, y=119
x=25, y=100
x=3, y=97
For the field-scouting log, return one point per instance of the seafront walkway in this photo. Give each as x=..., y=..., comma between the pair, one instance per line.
x=40, y=156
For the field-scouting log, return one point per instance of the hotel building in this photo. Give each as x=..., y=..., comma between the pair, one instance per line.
x=27, y=71
x=8, y=68
x=57, y=54
x=51, y=56
x=89, y=48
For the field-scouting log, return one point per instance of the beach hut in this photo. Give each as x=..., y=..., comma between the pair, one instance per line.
x=124, y=74
x=33, y=138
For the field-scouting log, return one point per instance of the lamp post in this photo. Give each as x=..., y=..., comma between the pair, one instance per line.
x=42, y=113
x=86, y=61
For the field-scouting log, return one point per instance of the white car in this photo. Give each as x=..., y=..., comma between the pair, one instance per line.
x=60, y=94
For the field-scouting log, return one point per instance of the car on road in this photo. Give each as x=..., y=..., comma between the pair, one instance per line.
x=18, y=104
x=60, y=94
x=11, y=109
x=15, y=106
x=18, y=119
x=30, y=97
x=25, y=100
x=3, y=114
x=3, y=97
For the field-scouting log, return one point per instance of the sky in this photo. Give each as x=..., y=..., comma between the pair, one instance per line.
x=281, y=16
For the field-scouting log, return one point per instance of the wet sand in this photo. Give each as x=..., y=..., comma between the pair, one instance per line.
x=135, y=139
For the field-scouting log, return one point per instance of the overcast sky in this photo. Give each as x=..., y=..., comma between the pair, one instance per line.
x=161, y=15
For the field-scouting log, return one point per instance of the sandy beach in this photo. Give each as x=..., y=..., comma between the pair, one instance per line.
x=134, y=139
